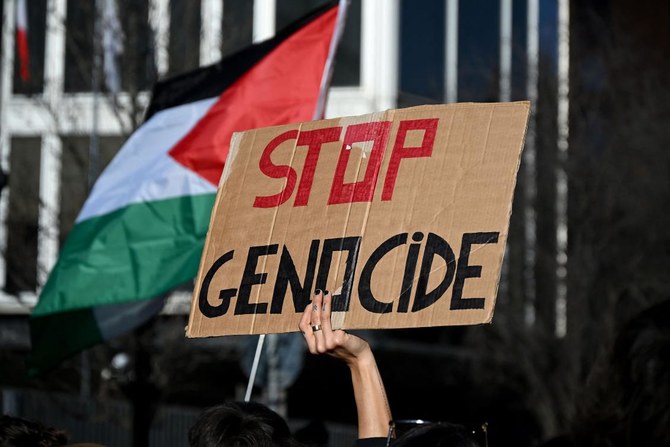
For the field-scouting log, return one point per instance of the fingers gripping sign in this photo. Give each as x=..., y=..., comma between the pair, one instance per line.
x=306, y=328
x=317, y=323
x=316, y=327
x=326, y=323
x=311, y=325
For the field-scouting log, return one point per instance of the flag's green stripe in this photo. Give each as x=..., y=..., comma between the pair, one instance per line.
x=57, y=337
x=134, y=253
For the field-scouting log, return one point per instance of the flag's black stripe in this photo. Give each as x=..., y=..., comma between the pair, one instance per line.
x=211, y=81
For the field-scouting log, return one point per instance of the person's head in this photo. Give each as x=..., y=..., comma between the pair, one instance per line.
x=240, y=424
x=627, y=396
x=19, y=432
x=439, y=434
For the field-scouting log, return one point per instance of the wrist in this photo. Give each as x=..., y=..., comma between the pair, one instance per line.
x=363, y=360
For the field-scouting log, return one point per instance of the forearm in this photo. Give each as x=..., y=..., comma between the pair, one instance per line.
x=372, y=405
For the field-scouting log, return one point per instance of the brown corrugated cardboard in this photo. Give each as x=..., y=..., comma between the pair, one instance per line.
x=402, y=214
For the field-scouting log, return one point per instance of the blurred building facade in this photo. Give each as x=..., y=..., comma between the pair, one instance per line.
x=394, y=53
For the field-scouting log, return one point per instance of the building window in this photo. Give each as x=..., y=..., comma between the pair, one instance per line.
x=79, y=46
x=422, y=34
x=36, y=15
x=184, y=47
x=478, y=50
x=237, y=27
x=519, y=55
x=348, y=60
x=22, y=216
x=138, y=64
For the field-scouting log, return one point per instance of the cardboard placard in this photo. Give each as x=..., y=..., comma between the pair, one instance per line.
x=403, y=215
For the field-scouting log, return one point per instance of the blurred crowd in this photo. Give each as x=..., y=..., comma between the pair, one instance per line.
x=626, y=402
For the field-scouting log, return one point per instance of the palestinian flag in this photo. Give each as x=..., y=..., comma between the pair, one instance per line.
x=142, y=229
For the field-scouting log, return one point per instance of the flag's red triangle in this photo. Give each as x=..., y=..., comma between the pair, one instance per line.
x=281, y=88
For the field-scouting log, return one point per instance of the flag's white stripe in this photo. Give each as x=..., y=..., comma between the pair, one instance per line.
x=143, y=171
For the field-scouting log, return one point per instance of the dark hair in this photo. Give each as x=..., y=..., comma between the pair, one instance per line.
x=627, y=400
x=19, y=432
x=240, y=424
x=440, y=434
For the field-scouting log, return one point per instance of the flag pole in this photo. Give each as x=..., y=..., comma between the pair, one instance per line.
x=93, y=157
x=319, y=113
x=94, y=143
x=254, y=367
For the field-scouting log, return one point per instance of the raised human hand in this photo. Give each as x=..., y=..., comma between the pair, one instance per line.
x=320, y=337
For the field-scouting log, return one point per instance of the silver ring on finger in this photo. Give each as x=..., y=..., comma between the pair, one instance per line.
x=316, y=327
